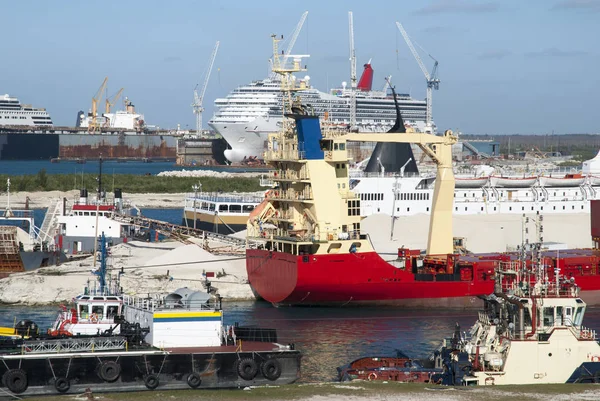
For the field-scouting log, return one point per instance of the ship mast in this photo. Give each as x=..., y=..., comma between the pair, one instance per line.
x=352, y=72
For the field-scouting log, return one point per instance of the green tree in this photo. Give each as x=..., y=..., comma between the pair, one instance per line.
x=42, y=178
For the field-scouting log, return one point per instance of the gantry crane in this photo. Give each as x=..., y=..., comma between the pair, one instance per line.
x=197, y=105
x=433, y=81
x=93, y=125
x=352, y=71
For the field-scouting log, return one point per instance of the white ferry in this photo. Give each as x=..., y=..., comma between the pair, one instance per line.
x=12, y=112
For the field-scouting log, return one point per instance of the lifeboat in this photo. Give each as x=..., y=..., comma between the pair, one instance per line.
x=473, y=182
x=569, y=180
x=514, y=182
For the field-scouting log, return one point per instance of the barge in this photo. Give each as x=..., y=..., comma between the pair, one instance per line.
x=109, y=342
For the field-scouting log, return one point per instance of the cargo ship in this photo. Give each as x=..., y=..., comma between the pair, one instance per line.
x=306, y=244
x=28, y=133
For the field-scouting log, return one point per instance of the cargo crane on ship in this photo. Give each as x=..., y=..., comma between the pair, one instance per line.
x=198, y=98
x=433, y=82
x=94, y=124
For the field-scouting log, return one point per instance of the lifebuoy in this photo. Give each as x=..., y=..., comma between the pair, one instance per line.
x=15, y=380
x=372, y=376
x=271, y=369
x=110, y=371
x=489, y=381
x=62, y=384
x=596, y=358
x=194, y=380
x=151, y=381
x=247, y=368
x=94, y=318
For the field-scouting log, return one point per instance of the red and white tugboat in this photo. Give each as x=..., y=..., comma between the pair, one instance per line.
x=530, y=332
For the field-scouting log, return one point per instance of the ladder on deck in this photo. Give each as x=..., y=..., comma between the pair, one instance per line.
x=48, y=228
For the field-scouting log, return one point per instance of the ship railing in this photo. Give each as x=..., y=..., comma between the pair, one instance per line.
x=17, y=214
x=216, y=197
x=288, y=175
x=290, y=194
x=67, y=345
x=362, y=174
x=285, y=155
x=584, y=333
x=158, y=302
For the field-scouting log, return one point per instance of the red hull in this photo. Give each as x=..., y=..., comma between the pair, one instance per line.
x=285, y=279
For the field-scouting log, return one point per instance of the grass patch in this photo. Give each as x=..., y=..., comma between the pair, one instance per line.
x=129, y=183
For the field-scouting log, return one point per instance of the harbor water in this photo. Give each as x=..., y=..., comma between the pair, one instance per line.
x=329, y=337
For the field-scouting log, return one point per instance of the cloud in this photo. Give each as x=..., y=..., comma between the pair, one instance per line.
x=554, y=52
x=494, y=55
x=583, y=5
x=172, y=59
x=457, y=6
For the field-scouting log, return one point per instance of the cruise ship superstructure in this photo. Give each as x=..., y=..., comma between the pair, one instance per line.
x=12, y=112
x=250, y=112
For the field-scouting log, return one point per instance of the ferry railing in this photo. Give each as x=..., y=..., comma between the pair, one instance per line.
x=66, y=345
x=216, y=197
x=584, y=333
x=161, y=302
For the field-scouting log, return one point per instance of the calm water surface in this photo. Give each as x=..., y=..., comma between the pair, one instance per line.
x=330, y=337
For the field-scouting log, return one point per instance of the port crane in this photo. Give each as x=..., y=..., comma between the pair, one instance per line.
x=199, y=97
x=290, y=44
x=352, y=71
x=432, y=79
x=93, y=126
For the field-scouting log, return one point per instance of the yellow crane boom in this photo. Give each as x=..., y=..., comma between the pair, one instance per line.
x=93, y=126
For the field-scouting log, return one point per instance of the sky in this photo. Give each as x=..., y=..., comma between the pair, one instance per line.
x=505, y=67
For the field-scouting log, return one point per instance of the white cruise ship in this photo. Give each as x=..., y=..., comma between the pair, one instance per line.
x=250, y=112
x=12, y=112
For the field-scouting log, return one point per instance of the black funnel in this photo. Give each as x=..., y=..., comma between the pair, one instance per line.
x=393, y=156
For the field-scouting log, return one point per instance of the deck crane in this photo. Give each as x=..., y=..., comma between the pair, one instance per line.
x=352, y=72
x=110, y=102
x=93, y=126
x=433, y=81
x=198, y=97
x=291, y=42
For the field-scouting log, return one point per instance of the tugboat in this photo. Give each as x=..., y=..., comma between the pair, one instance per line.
x=530, y=332
x=110, y=342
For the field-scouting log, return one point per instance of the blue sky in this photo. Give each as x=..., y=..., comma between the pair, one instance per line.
x=506, y=67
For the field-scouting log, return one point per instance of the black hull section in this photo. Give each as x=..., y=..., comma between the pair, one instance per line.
x=135, y=371
x=215, y=228
x=29, y=146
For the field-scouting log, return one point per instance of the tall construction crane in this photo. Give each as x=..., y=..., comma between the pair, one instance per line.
x=197, y=105
x=352, y=72
x=291, y=42
x=93, y=125
x=433, y=81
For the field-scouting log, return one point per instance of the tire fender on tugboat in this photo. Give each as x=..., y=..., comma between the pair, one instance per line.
x=151, y=381
x=62, y=384
x=194, y=380
x=247, y=368
x=109, y=371
x=271, y=369
x=15, y=380
x=372, y=376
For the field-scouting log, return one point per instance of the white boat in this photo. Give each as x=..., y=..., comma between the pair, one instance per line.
x=564, y=181
x=514, y=182
x=250, y=112
x=12, y=112
x=127, y=119
x=471, y=182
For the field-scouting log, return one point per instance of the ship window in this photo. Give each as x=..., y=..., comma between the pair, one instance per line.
x=223, y=208
x=83, y=311
x=510, y=208
x=564, y=193
x=555, y=194
x=541, y=207
x=465, y=194
x=211, y=207
x=465, y=209
x=578, y=316
x=494, y=208
x=563, y=208
x=427, y=209
x=335, y=146
x=522, y=208
x=247, y=208
x=456, y=209
x=553, y=207
x=98, y=310
x=86, y=213
x=334, y=247
x=531, y=207
x=581, y=207
x=398, y=209
x=235, y=208
x=482, y=208
x=548, y=316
